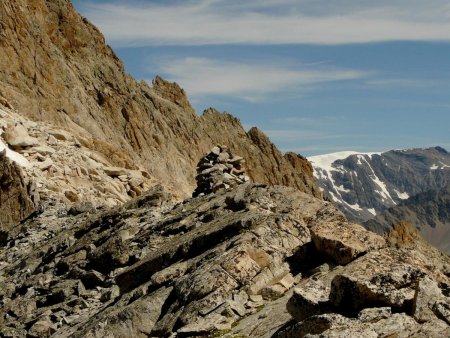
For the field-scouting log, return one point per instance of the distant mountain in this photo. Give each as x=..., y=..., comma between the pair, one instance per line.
x=363, y=185
x=428, y=211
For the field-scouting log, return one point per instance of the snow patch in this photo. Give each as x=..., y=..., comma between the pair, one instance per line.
x=384, y=192
x=325, y=161
x=334, y=198
x=401, y=195
x=359, y=160
x=342, y=189
x=372, y=211
x=442, y=166
x=355, y=207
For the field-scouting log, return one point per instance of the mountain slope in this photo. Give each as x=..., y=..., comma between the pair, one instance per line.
x=55, y=67
x=428, y=211
x=363, y=185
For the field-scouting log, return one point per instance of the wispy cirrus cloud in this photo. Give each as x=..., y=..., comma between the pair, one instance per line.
x=202, y=22
x=308, y=121
x=289, y=135
x=249, y=81
x=403, y=83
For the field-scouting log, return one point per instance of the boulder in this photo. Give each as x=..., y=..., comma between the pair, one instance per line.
x=61, y=135
x=42, y=328
x=43, y=150
x=429, y=302
x=308, y=300
x=17, y=137
x=115, y=171
x=45, y=164
x=379, y=278
x=375, y=314
x=343, y=241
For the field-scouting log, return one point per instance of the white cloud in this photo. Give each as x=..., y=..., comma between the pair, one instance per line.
x=271, y=22
x=248, y=81
x=308, y=120
x=286, y=135
x=403, y=83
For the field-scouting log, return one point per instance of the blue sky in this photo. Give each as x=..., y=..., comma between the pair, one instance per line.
x=317, y=76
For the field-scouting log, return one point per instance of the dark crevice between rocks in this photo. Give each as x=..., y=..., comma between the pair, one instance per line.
x=106, y=221
x=169, y=321
x=4, y=237
x=234, y=203
x=163, y=226
x=305, y=259
x=287, y=327
x=51, y=299
x=194, y=334
x=348, y=300
x=51, y=254
x=61, y=268
x=107, y=262
x=20, y=291
x=445, y=288
x=179, y=229
x=168, y=305
x=206, y=218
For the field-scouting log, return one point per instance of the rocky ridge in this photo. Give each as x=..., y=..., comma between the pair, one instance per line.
x=251, y=260
x=56, y=67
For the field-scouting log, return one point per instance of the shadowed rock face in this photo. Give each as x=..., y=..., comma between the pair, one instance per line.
x=56, y=67
x=18, y=198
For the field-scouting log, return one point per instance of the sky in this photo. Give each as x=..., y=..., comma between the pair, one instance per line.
x=317, y=76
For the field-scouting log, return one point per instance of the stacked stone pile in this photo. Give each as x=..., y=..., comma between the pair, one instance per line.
x=219, y=169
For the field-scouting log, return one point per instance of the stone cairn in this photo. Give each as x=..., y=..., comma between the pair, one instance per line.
x=219, y=169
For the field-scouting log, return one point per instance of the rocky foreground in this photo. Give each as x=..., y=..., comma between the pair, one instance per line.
x=243, y=261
